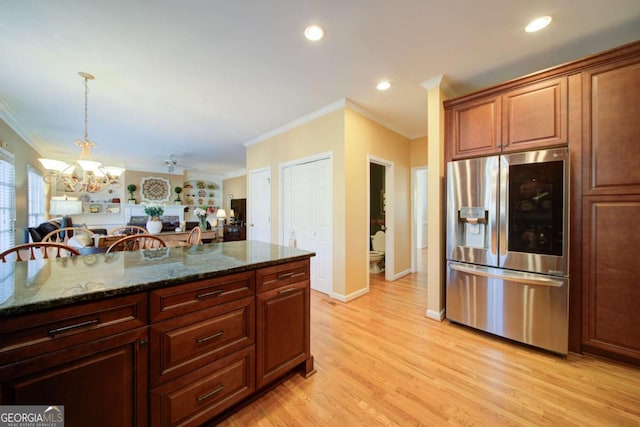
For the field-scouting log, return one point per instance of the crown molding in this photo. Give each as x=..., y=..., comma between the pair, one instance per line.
x=7, y=115
x=441, y=82
x=371, y=116
x=298, y=122
x=342, y=103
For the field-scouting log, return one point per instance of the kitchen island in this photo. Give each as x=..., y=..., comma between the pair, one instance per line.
x=171, y=336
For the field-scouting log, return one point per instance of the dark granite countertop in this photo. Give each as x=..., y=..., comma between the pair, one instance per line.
x=31, y=286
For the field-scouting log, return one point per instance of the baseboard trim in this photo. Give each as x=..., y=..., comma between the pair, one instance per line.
x=350, y=297
x=401, y=274
x=435, y=315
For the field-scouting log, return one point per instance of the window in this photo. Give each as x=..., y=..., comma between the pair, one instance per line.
x=7, y=200
x=37, y=198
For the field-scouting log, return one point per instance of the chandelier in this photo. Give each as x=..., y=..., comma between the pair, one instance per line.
x=94, y=176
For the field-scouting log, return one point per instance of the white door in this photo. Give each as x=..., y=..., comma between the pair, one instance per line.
x=306, y=216
x=259, y=205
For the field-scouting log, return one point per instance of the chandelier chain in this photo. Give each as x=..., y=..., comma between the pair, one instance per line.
x=86, y=109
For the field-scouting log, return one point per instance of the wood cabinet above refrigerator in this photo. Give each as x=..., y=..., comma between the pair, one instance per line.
x=508, y=119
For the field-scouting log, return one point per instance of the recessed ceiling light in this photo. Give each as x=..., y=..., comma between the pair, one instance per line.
x=383, y=85
x=537, y=24
x=314, y=32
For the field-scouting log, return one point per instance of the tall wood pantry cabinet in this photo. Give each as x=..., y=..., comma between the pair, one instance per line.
x=591, y=105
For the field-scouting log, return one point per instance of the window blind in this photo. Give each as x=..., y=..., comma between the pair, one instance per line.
x=36, y=197
x=7, y=200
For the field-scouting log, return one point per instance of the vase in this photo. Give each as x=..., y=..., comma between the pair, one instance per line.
x=154, y=225
x=203, y=222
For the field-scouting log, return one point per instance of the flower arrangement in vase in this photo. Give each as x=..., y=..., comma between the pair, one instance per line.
x=201, y=213
x=154, y=211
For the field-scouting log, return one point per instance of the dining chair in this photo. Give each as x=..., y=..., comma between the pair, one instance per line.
x=128, y=230
x=61, y=235
x=137, y=242
x=195, y=236
x=46, y=249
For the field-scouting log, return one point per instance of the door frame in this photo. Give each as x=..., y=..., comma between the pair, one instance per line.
x=414, y=222
x=302, y=160
x=389, y=244
x=250, y=199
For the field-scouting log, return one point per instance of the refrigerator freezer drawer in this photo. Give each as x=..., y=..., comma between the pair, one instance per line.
x=525, y=307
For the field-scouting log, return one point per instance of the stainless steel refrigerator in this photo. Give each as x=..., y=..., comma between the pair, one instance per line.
x=507, y=246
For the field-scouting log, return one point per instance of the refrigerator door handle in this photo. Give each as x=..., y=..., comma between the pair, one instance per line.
x=512, y=277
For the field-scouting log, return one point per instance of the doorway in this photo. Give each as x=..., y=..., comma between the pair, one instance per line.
x=259, y=205
x=419, y=216
x=383, y=208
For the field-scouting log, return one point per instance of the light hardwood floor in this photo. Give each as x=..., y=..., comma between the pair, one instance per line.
x=379, y=361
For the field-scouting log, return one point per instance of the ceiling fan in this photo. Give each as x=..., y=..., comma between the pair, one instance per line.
x=171, y=163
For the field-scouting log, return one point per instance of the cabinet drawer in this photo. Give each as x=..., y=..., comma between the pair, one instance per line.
x=34, y=334
x=279, y=275
x=185, y=343
x=178, y=300
x=195, y=398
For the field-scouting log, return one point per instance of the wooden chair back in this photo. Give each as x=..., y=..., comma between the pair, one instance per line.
x=128, y=230
x=28, y=251
x=61, y=235
x=195, y=236
x=137, y=242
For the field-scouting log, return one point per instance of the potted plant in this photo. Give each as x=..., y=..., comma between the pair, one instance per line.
x=154, y=211
x=131, y=188
x=178, y=190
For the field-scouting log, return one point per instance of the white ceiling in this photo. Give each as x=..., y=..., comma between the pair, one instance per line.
x=201, y=78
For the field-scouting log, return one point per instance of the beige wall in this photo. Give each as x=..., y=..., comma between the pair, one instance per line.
x=351, y=138
x=322, y=135
x=419, y=152
x=364, y=138
x=25, y=155
x=234, y=186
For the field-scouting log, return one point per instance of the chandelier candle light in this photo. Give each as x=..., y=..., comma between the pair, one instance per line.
x=95, y=176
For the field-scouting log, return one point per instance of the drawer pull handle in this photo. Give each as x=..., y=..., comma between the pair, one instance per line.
x=286, y=291
x=68, y=328
x=285, y=275
x=210, y=294
x=209, y=338
x=211, y=393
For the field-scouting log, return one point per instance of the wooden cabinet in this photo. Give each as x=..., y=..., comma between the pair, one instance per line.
x=283, y=316
x=234, y=233
x=189, y=352
x=474, y=128
x=202, y=348
x=610, y=208
x=91, y=358
x=592, y=105
x=535, y=116
x=529, y=117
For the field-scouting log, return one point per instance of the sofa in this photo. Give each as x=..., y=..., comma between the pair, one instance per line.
x=37, y=233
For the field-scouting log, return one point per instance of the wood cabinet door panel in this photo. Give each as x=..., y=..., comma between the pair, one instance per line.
x=201, y=395
x=182, y=299
x=611, y=273
x=33, y=334
x=611, y=118
x=535, y=116
x=100, y=383
x=184, y=343
x=280, y=275
x=474, y=128
x=283, y=331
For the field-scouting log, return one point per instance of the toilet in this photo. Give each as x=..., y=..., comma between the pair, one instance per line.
x=376, y=256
